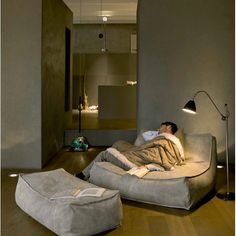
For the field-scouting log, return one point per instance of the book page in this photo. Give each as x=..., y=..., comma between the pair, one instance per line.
x=75, y=193
x=91, y=192
x=70, y=193
x=132, y=170
x=141, y=172
x=138, y=171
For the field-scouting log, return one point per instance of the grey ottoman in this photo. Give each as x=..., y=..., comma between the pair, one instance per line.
x=44, y=196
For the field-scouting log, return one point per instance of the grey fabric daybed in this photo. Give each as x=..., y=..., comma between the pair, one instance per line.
x=182, y=187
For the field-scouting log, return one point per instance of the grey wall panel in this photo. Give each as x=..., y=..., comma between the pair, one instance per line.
x=117, y=102
x=21, y=84
x=56, y=18
x=190, y=48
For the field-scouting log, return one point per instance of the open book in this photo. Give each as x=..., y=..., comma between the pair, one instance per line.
x=88, y=192
x=91, y=192
x=138, y=171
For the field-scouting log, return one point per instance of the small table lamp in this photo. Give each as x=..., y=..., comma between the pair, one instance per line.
x=190, y=107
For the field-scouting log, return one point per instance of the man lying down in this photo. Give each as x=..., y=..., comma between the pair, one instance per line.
x=161, y=151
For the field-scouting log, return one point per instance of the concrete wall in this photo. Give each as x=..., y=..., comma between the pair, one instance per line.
x=101, y=69
x=118, y=38
x=56, y=18
x=117, y=102
x=190, y=47
x=21, y=83
x=33, y=81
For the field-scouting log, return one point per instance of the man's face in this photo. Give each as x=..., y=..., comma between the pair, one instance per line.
x=165, y=129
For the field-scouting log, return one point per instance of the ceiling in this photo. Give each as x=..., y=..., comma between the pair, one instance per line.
x=92, y=11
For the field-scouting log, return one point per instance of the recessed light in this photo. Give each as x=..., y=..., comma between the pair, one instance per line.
x=220, y=166
x=13, y=175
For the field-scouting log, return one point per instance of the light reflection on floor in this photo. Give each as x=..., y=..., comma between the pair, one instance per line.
x=89, y=120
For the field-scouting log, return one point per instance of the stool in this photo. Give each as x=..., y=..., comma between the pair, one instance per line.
x=67, y=216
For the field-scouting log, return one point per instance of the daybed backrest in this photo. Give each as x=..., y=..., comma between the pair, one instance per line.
x=199, y=147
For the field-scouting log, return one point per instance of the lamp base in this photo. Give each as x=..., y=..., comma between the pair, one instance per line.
x=226, y=196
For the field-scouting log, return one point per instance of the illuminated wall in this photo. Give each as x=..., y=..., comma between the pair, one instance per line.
x=190, y=47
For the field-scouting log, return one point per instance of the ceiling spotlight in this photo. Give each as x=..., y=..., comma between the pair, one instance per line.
x=104, y=19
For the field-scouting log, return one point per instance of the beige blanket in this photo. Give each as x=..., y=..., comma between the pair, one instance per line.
x=159, y=151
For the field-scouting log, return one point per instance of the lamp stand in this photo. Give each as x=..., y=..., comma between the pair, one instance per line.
x=226, y=195
x=191, y=108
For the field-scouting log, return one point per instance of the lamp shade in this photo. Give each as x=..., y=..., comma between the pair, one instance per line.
x=190, y=107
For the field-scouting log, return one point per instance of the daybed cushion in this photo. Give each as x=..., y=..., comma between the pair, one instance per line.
x=183, y=187
x=67, y=216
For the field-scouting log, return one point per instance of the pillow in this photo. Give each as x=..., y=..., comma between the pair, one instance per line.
x=181, y=136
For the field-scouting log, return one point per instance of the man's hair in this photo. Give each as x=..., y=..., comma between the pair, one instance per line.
x=174, y=127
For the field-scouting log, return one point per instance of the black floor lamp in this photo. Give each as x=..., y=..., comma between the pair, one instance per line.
x=190, y=107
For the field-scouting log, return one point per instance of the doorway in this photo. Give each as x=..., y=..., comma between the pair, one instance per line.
x=92, y=68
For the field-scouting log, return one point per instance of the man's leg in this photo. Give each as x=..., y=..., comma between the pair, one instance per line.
x=86, y=170
x=104, y=156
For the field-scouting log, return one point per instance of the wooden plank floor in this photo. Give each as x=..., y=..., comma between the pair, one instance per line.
x=214, y=216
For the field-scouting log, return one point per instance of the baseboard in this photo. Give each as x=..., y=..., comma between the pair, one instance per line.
x=97, y=137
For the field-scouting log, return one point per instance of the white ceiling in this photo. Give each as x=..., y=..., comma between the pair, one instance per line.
x=91, y=11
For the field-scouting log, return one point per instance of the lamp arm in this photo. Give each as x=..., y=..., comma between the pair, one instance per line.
x=223, y=117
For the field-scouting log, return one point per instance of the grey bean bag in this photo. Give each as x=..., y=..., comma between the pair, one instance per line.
x=43, y=196
x=182, y=188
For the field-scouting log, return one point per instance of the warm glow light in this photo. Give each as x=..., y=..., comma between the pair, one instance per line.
x=105, y=13
x=13, y=175
x=220, y=166
x=93, y=107
x=189, y=111
x=104, y=19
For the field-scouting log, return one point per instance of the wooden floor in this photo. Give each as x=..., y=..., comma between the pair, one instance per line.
x=213, y=217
